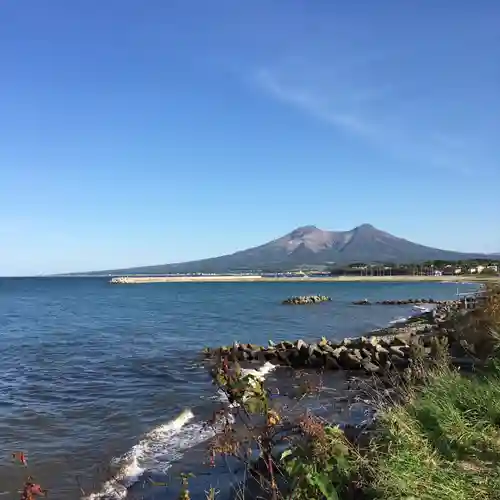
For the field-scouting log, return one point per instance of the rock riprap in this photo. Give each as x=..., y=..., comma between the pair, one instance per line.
x=306, y=299
x=371, y=354
x=404, y=302
x=381, y=350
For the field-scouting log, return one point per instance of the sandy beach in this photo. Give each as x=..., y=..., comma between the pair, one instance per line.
x=313, y=279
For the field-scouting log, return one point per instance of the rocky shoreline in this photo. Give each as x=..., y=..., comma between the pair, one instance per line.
x=375, y=352
x=394, y=347
x=366, y=302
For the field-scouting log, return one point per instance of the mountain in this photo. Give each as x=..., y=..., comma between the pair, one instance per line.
x=311, y=246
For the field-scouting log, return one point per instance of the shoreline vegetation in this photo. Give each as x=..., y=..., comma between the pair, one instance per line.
x=430, y=387
x=312, y=279
x=433, y=429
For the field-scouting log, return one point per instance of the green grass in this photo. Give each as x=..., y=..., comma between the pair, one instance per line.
x=441, y=443
x=444, y=443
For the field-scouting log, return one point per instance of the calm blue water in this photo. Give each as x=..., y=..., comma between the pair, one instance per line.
x=92, y=371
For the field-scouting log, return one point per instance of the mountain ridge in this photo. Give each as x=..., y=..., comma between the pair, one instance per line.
x=310, y=246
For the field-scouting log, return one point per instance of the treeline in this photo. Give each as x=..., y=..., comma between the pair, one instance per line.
x=482, y=266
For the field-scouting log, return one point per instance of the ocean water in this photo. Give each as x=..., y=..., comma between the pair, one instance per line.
x=94, y=376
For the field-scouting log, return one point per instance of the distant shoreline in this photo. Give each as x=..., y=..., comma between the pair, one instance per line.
x=314, y=279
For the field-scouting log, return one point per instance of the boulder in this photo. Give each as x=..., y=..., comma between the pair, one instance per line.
x=366, y=353
x=351, y=342
x=398, y=351
x=295, y=359
x=331, y=363
x=381, y=349
x=337, y=352
x=245, y=356
x=350, y=360
x=248, y=347
x=326, y=348
x=373, y=340
x=381, y=357
x=316, y=361
x=285, y=357
x=399, y=362
x=402, y=338
x=314, y=349
x=370, y=367
x=270, y=355
x=386, y=340
x=301, y=345
x=258, y=356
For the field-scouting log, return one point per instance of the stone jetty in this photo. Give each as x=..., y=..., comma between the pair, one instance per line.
x=404, y=302
x=307, y=299
x=379, y=351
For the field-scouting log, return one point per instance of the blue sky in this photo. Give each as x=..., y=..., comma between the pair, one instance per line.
x=136, y=133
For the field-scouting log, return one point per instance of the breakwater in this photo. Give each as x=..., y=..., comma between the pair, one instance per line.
x=375, y=352
x=404, y=302
x=306, y=299
x=295, y=279
x=124, y=280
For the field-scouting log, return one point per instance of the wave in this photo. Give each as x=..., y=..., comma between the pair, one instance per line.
x=165, y=444
x=420, y=310
x=156, y=451
x=259, y=373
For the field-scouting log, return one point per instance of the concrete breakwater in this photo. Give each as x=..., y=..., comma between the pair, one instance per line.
x=123, y=280
x=366, y=302
x=376, y=352
x=372, y=355
x=307, y=299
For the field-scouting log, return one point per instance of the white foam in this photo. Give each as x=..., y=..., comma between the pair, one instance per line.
x=259, y=373
x=252, y=373
x=156, y=451
x=419, y=311
x=254, y=376
x=423, y=309
x=399, y=320
x=221, y=397
x=163, y=445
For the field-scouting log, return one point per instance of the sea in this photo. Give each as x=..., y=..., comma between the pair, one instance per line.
x=102, y=385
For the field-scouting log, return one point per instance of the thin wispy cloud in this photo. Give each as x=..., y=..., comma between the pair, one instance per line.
x=355, y=110
x=310, y=102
